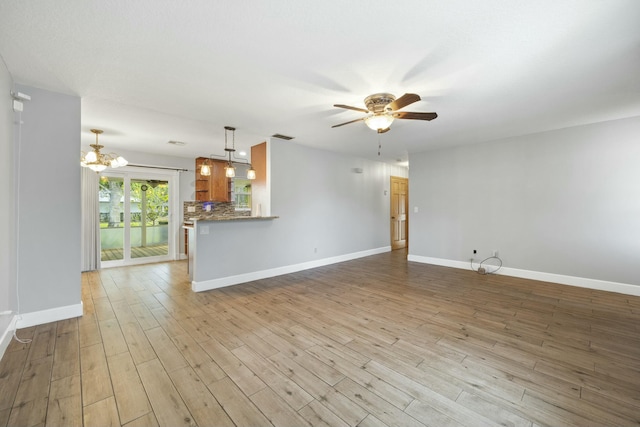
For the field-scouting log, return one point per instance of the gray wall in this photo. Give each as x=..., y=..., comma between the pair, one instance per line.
x=564, y=202
x=7, y=241
x=324, y=204
x=321, y=203
x=48, y=201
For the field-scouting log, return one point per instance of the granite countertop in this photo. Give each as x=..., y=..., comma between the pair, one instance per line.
x=230, y=218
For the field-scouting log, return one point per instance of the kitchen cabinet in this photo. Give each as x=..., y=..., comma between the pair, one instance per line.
x=215, y=187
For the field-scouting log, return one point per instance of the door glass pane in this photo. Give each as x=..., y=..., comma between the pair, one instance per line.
x=149, y=218
x=111, y=196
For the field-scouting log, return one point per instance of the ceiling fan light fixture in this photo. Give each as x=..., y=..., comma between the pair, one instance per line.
x=379, y=121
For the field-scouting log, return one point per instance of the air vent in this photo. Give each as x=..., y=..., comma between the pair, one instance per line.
x=277, y=135
x=180, y=143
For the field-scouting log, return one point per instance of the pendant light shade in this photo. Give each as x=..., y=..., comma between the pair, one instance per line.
x=229, y=170
x=379, y=122
x=205, y=169
x=251, y=173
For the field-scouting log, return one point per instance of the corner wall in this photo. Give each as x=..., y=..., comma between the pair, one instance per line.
x=564, y=203
x=7, y=235
x=48, y=198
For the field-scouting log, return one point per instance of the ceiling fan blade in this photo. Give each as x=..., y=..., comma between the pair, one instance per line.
x=403, y=101
x=414, y=116
x=346, y=123
x=348, y=107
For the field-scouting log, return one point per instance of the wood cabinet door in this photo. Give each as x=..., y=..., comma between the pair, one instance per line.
x=219, y=183
x=215, y=187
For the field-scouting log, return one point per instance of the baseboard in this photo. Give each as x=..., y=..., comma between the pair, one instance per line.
x=25, y=320
x=582, y=282
x=7, y=336
x=272, y=272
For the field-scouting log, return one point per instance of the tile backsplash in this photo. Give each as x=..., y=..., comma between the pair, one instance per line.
x=219, y=209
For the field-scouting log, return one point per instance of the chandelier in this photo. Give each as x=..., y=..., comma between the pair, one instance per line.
x=229, y=169
x=96, y=161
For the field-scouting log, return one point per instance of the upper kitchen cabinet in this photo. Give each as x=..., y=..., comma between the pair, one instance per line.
x=215, y=187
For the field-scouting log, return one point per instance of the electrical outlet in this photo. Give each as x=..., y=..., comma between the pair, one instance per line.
x=495, y=252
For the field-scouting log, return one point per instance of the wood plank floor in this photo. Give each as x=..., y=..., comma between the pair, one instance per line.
x=371, y=342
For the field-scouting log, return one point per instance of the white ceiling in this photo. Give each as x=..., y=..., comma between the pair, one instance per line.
x=150, y=71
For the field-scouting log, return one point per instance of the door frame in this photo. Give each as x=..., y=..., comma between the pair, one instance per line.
x=128, y=173
x=391, y=213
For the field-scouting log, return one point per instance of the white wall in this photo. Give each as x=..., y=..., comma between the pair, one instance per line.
x=325, y=210
x=48, y=199
x=7, y=241
x=565, y=202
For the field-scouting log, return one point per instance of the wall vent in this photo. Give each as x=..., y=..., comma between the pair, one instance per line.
x=285, y=137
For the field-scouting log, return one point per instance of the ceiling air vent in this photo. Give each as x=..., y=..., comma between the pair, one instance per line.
x=178, y=143
x=277, y=135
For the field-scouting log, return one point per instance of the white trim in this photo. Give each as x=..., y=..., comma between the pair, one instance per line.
x=582, y=282
x=34, y=318
x=264, y=274
x=7, y=336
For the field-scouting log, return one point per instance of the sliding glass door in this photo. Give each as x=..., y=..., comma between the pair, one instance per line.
x=136, y=218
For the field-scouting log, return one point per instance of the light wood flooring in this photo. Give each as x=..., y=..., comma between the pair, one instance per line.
x=371, y=342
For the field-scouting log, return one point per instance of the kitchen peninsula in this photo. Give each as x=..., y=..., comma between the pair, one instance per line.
x=220, y=244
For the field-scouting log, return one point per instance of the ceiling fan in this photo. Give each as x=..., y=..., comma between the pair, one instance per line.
x=382, y=109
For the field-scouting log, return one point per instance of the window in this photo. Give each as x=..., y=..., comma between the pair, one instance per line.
x=242, y=194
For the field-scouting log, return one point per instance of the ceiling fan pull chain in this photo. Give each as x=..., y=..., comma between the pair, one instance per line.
x=379, y=145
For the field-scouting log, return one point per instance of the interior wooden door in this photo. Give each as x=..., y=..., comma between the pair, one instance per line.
x=399, y=206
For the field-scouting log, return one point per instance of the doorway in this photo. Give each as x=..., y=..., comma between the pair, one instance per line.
x=399, y=207
x=136, y=212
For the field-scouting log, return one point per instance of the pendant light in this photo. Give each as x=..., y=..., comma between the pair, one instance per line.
x=229, y=169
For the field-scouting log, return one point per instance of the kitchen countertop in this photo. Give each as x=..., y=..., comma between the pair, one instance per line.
x=231, y=218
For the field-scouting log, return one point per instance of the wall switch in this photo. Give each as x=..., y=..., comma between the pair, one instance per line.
x=204, y=229
x=415, y=209
x=191, y=208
